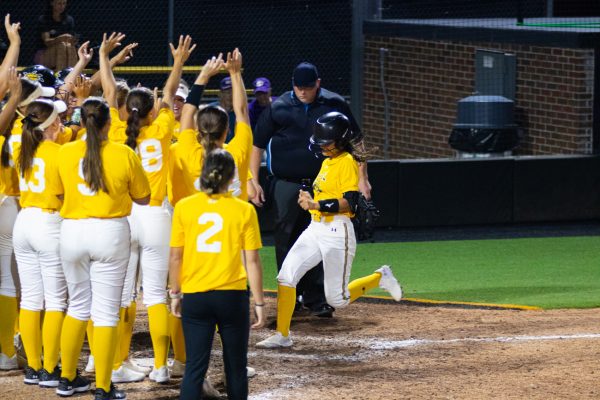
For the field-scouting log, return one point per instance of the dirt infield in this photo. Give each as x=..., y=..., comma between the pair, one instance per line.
x=402, y=351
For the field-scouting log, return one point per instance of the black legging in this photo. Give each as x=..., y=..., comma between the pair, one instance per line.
x=200, y=313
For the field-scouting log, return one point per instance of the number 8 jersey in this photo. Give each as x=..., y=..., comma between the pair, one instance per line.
x=213, y=230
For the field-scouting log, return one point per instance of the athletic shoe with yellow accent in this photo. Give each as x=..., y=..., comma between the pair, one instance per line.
x=124, y=375
x=160, y=375
x=276, y=341
x=8, y=363
x=132, y=365
x=176, y=368
x=389, y=283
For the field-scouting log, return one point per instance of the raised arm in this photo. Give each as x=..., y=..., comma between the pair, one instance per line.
x=85, y=56
x=14, y=86
x=239, y=98
x=122, y=57
x=210, y=69
x=180, y=56
x=109, y=85
x=12, y=54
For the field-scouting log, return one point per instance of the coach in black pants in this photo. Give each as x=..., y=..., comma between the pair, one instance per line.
x=283, y=130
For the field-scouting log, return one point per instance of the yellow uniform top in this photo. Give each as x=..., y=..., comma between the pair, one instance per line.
x=9, y=180
x=213, y=230
x=123, y=174
x=176, y=131
x=240, y=148
x=337, y=176
x=65, y=135
x=185, y=163
x=153, y=148
x=118, y=127
x=41, y=183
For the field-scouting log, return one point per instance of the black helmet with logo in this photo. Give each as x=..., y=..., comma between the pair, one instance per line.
x=41, y=74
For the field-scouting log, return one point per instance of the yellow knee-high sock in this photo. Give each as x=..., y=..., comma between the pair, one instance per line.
x=51, y=329
x=177, y=339
x=71, y=341
x=360, y=286
x=127, y=331
x=120, y=329
x=17, y=329
x=158, y=320
x=286, y=300
x=89, y=330
x=8, y=311
x=31, y=334
x=105, y=347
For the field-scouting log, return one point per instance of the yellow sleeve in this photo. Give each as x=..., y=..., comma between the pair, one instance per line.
x=65, y=136
x=348, y=175
x=250, y=176
x=241, y=144
x=139, y=187
x=251, y=235
x=53, y=183
x=177, y=231
x=165, y=122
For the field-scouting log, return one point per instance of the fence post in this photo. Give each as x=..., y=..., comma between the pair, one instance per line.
x=170, y=28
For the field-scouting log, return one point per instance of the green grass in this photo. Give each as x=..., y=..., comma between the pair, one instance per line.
x=543, y=272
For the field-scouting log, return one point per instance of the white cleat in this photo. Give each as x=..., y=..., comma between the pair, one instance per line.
x=176, y=368
x=132, y=365
x=8, y=363
x=125, y=375
x=251, y=372
x=209, y=391
x=90, y=366
x=276, y=341
x=389, y=283
x=160, y=375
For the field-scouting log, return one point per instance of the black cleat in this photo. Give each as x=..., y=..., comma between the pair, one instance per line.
x=67, y=388
x=323, y=311
x=49, y=379
x=113, y=394
x=32, y=377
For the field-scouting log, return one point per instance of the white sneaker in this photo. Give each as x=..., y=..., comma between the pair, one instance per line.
x=90, y=366
x=132, y=365
x=209, y=391
x=251, y=372
x=8, y=363
x=275, y=342
x=176, y=368
x=160, y=375
x=389, y=283
x=124, y=375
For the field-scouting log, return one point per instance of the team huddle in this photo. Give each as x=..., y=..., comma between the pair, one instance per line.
x=104, y=189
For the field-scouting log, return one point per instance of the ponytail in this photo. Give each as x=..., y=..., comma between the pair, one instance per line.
x=140, y=102
x=95, y=114
x=133, y=128
x=213, y=124
x=217, y=172
x=37, y=113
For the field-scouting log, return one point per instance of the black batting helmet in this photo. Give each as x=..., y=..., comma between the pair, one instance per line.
x=41, y=74
x=333, y=127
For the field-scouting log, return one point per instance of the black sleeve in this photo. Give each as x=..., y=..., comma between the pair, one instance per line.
x=352, y=199
x=265, y=128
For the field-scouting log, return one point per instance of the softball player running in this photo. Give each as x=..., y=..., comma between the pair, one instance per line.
x=330, y=236
x=9, y=189
x=36, y=241
x=210, y=231
x=150, y=137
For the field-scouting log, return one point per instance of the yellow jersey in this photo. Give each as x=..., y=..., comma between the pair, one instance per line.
x=240, y=148
x=213, y=230
x=116, y=133
x=40, y=186
x=337, y=176
x=9, y=179
x=123, y=174
x=176, y=131
x=153, y=149
x=65, y=135
x=185, y=164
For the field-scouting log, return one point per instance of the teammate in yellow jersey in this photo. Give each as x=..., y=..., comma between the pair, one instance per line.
x=210, y=231
x=150, y=136
x=36, y=241
x=9, y=190
x=330, y=236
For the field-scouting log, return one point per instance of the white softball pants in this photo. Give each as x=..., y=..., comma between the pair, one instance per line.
x=94, y=254
x=131, y=277
x=152, y=226
x=333, y=243
x=36, y=239
x=8, y=215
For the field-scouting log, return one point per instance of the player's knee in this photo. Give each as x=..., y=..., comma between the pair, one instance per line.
x=32, y=302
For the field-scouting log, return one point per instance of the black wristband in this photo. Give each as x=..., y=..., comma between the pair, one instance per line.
x=195, y=95
x=329, y=205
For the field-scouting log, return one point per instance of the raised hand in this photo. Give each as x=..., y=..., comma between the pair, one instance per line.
x=85, y=53
x=82, y=87
x=234, y=61
x=211, y=68
x=14, y=82
x=12, y=30
x=183, y=50
x=125, y=54
x=111, y=42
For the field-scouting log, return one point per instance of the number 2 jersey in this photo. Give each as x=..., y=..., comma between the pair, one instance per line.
x=213, y=230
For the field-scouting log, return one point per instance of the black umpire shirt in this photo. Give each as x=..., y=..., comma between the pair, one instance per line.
x=285, y=127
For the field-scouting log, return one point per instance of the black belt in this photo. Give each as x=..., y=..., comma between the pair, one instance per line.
x=299, y=181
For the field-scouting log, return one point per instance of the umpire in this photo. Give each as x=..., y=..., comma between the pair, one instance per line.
x=284, y=130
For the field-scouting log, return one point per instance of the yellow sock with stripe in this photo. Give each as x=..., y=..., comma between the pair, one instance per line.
x=105, y=347
x=286, y=301
x=360, y=286
x=158, y=321
x=128, y=331
x=118, y=360
x=31, y=334
x=71, y=341
x=89, y=330
x=177, y=339
x=8, y=311
x=51, y=330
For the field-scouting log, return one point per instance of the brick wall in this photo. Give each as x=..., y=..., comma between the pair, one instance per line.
x=425, y=79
